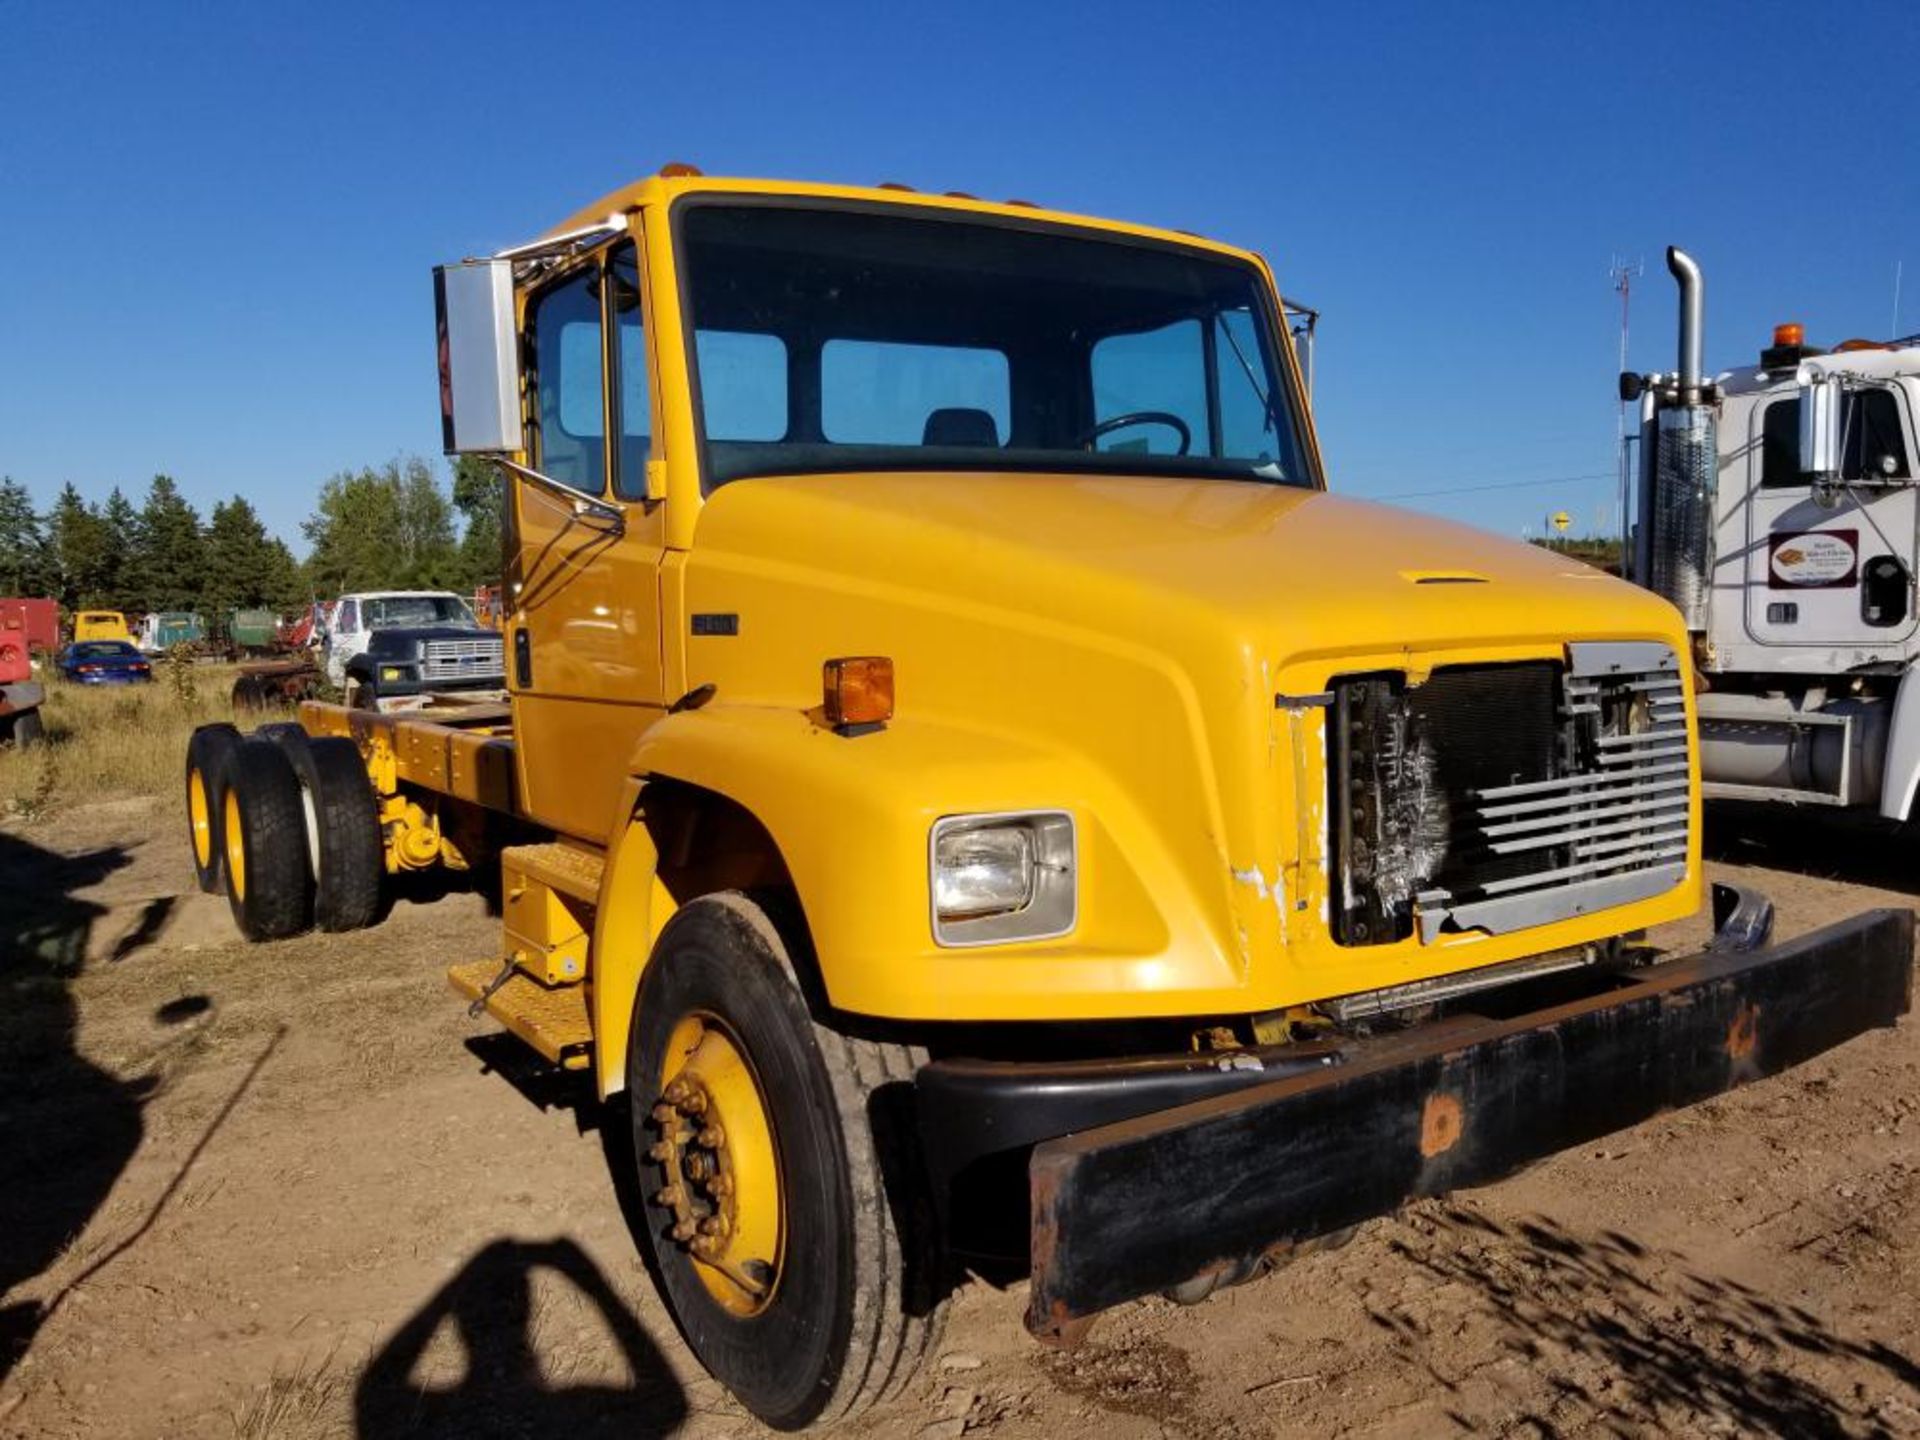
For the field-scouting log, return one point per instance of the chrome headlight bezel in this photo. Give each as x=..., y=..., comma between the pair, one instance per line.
x=1053, y=907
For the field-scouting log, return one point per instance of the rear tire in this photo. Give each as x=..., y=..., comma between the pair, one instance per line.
x=207, y=754
x=345, y=849
x=264, y=843
x=852, y=1304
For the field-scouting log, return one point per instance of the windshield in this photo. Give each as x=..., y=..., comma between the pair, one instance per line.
x=102, y=650
x=841, y=339
x=394, y=612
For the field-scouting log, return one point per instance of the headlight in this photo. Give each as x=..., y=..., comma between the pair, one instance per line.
x=998, y=878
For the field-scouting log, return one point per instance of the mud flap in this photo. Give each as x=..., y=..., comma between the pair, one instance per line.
x=1147, y=1204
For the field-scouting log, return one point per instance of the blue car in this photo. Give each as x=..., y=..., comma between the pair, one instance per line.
x=104, y=662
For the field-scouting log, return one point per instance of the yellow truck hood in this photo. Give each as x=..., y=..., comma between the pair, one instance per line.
x=1143, y=653
x=1331, y=573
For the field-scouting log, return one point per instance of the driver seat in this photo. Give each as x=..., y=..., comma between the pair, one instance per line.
x=956, y=425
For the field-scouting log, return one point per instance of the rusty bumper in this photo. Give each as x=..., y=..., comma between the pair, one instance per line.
x=1167, y=1199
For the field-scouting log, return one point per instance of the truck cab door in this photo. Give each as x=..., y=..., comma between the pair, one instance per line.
x=1840, y=573
x=582, y=596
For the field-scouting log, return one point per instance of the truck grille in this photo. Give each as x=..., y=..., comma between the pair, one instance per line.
x=1495, y=798
x=475, y=659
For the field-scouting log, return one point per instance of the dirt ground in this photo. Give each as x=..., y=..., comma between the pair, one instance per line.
x=293, y=1191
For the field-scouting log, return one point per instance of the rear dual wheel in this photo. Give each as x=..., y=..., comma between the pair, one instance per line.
x=263, y=835
x=344, y=851
x=792, y=1238
x=287, y=825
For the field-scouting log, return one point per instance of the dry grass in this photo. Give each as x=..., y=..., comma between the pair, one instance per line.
x=111, y=742
x=310, y=1402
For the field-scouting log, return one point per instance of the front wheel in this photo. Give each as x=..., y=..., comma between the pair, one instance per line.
x=783, y=1208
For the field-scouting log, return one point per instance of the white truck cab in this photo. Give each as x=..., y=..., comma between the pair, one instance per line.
x=1777, y=508
x=357, y=616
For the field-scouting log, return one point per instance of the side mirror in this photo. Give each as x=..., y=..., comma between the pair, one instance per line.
x=479, y=357
x=1820, y=407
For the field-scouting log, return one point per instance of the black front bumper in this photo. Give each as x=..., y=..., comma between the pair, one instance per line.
x=1257, y=1165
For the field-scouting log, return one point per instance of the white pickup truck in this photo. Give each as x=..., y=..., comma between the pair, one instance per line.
x=397, y=644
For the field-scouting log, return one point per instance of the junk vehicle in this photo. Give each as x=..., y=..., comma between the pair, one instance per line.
x=431, y=630
x=252, y=632
x=164, y=629
x=101, y=625
x=1776, y=508
x=36, y=621
x=20, y=694
x=967, y=786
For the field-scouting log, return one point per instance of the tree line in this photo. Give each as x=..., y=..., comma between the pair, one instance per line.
x=387, y=527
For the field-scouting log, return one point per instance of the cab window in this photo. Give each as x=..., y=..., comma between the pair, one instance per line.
x=570, y=432
x=1874, y=446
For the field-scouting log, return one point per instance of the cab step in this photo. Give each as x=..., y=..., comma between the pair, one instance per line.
x=570, y=869
x=550, y=1018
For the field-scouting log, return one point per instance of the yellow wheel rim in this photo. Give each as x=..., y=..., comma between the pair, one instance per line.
x=722, y=1167
x=199, y=818
x=236, y=847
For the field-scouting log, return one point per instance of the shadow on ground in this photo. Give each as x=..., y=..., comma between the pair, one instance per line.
x=511, y=1384
x=1634, y=1340
x=1809, y=841
x=67, y=1127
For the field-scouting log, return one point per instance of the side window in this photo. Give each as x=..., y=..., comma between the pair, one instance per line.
x=1875, y=447
x=875, y=392
x=743, y=385
x=571, y=434
x=630, y=364
x=347, y=619
x=1162, y=370
x=1248, y=428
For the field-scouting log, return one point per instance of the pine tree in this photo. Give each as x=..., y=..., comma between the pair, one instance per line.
x=171, y=569
x=83, y=551
x=25, y=567
x=119, y=583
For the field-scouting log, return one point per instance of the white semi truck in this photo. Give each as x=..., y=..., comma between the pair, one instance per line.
x=1776, y=507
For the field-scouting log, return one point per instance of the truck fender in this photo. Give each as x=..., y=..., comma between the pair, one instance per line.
x=633, y=908
x=1900, y=777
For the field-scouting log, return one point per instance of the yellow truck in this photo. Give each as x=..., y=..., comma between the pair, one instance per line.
x=968, y=791
x=101, y=625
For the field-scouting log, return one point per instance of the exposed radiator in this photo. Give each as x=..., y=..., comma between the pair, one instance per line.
x=1496, y=798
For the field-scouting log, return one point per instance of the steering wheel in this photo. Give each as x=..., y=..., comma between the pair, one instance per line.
x=1139, y=417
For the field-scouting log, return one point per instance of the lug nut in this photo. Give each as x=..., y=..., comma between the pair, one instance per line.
x=712, y=1137
x=665, y=1114
x=695, y=1103
x=678, y=1091
x=720, y=1186
x=713, y=1225
x=662, y=1151
x=684, y=1230
x=672, y=1197
x=706, y=1247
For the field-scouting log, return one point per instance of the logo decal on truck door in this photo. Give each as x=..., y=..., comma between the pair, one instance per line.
x=1813, y=559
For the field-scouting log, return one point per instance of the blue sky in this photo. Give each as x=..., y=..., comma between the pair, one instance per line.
x=217, y=221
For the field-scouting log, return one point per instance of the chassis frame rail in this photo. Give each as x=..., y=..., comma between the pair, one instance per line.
x=1210, y=1188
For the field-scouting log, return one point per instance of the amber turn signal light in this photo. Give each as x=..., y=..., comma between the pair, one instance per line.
x=858, y=689
x=1788, y=334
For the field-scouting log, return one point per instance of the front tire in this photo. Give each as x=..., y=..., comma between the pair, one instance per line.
x=806, y=1280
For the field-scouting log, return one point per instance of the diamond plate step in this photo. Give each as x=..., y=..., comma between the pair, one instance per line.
x=552, y=1019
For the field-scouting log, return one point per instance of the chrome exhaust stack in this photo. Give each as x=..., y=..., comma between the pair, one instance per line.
x=1673, y=551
